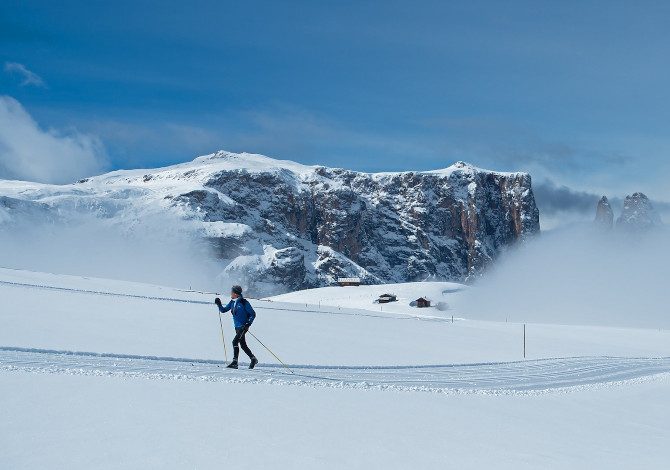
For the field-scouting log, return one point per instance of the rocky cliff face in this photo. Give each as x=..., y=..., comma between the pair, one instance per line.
x=637, y=217
x=604, y=214
x=638, y=214
x=278, y=225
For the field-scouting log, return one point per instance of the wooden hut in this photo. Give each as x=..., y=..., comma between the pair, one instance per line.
x=422, y=302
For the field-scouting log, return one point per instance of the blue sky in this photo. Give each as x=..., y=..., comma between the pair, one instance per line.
x=574, y=92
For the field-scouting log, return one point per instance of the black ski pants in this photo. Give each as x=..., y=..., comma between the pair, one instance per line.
x=239, y=340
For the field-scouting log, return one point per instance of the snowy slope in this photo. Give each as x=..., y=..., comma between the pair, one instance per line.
x=94, y=315
x=282, y=226
x=366, y=297
x=112, y=374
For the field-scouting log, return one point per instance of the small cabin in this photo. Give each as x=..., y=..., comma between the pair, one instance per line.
x=386, y=298
x=422, y=302
x=348, y=281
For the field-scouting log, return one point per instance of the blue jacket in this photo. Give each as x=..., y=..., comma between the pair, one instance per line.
x=243, y=312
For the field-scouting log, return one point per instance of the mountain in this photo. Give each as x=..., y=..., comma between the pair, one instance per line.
x=638, y=214
x=604, y=214
x=277, y=225
x=637, y=217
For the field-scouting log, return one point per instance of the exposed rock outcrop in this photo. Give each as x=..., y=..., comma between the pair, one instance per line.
x=280, y=225
x=604, y=214
x=638, y=214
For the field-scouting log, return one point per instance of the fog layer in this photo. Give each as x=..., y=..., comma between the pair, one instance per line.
x=578, y=275
x=152, y=251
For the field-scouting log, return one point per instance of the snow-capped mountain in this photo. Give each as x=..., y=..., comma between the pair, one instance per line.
x=279, y=225
x=604, y=214
x=637, y=217
x=638, y=214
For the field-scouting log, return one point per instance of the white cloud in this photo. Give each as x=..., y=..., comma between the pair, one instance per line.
x=28, y=152
x=28, y=77
x=577, y=275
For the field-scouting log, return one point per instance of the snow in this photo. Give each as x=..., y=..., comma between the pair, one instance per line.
x=365, y=296
x=97, y=373
x=60, y=421
x=273, y=207
x=467, y=168
x=199, y=170
x=232, y=229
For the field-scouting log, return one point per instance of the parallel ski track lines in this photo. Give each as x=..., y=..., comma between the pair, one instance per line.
x=520, y=377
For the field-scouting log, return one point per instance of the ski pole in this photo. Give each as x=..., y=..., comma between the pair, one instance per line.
x=270, y=351
x=223, y=338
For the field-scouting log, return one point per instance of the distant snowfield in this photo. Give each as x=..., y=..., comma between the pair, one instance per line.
x=110, y=374
x=365, y=297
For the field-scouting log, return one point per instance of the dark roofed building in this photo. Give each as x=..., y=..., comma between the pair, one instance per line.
x=386, y=298
x=422, y=302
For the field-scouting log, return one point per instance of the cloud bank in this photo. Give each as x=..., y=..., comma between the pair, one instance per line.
x=28, y=152
x=562, y=205
x=153, y=250
x=552, y=198
x=578, y=275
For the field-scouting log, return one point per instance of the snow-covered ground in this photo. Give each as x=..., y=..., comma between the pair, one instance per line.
x=109, y=374
x=366, y=297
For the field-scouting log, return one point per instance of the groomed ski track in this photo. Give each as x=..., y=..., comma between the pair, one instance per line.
x=517, y=377
x=522, y=377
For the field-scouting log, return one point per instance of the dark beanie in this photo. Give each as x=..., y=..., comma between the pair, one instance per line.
x=236, y=290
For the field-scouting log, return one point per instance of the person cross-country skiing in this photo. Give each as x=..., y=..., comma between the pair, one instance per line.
x=243, y=316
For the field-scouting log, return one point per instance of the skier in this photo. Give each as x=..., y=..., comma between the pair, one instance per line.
x=243, y=316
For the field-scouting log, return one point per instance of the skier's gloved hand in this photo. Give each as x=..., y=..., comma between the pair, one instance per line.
x=217, y=301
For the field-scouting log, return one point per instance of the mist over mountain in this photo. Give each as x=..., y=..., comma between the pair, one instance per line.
x=611, y=271
x=278, y=225
x=560, y=205
x=578, y=275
